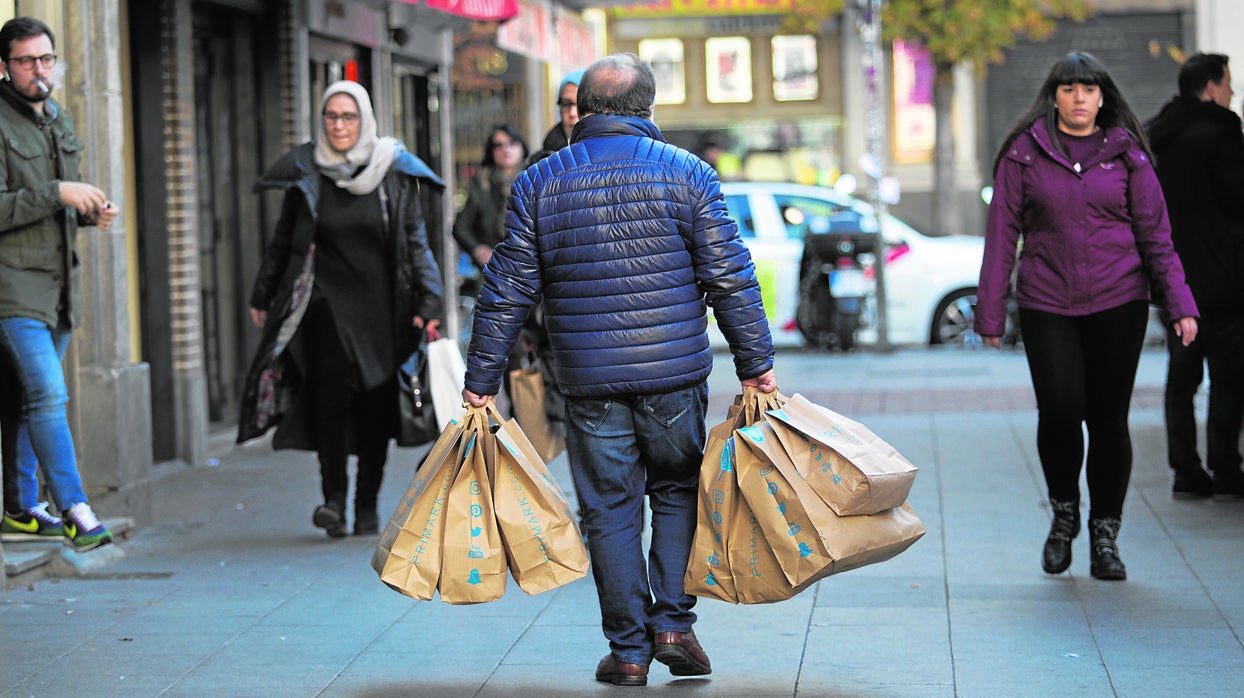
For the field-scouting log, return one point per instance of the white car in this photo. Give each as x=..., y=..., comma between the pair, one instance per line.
x=930, y=282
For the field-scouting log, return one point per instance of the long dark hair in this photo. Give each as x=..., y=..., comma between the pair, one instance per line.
x=1077, y=67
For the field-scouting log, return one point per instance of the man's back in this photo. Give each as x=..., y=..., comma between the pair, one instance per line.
x=1199, y=152
x=625, y=236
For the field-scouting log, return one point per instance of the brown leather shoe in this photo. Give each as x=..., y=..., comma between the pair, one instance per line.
x=610, y=670
x=682, y=653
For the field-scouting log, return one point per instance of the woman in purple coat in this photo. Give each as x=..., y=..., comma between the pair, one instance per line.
x=1074, y=181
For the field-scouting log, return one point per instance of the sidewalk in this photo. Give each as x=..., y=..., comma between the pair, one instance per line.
x=232, y=592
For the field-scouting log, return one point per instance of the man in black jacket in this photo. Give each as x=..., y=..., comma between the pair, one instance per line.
x=1199, y=152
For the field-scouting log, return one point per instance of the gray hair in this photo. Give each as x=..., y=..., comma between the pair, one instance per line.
x=618, y=84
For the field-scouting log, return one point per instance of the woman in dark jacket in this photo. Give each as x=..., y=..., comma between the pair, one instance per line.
x=346, y=286
x=480, y=225
x=1074, y=180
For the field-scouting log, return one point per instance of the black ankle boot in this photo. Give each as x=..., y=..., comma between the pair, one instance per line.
x=331, y=516
x=366, y=522
x=1105, y=551
x=1056, y=555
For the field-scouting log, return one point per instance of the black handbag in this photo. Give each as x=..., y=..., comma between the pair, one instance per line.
x=417, y=417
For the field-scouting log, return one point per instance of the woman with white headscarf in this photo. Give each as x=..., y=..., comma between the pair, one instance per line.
x=346, y=288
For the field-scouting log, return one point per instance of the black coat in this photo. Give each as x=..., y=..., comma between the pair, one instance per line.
x=1199, y=155
x=272, y=394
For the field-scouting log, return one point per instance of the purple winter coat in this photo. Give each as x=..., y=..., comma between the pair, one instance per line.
x=1092, y=240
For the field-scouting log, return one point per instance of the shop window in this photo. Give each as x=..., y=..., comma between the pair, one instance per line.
x=794, y=68
x=728, y=67
x=666, y=58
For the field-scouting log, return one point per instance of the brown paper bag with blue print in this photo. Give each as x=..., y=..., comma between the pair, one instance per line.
x=846, y=464
x=541, y=538
x=754, y=567
x=408, y=555
x=790, y=518
x=849, y=542
x=709, y=571
x=473, y=565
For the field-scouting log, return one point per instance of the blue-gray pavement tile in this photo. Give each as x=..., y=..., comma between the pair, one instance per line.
x=1206, y=647
x=460, y=639
x=103, y=685
x=855, y=589
x=1139, y=677
x=1033, y=676
x=551, y=647
x=264, y=661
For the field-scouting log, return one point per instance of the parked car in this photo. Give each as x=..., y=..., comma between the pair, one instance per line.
x=930, y=282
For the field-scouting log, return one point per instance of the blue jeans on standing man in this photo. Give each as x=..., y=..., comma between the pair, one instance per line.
x=621, y=448
x=35, y=351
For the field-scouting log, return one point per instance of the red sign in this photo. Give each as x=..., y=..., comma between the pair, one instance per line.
x=483, y=10
x=528, y=33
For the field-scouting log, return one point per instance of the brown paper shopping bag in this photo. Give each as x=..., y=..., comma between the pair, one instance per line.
x=709, y=572
x=845, y=463
x=542, y=541
x=754, y=568
x=791, y=518
x=527, y=395
x=848, y=542
x=408, y=556
x=473, y=565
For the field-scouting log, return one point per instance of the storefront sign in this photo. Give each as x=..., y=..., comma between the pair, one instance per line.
x=529, y=32
x=702, y=8
x=482, y=10
x=576, y=48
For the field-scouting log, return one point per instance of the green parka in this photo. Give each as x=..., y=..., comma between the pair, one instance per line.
x=38, y=263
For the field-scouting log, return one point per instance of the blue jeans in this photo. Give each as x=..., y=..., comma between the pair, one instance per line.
x=43, y=439
x=621, y=449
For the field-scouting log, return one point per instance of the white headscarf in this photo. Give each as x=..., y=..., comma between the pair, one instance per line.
x=373, y=154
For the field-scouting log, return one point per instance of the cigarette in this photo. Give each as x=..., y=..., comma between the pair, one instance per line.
x=43, y=86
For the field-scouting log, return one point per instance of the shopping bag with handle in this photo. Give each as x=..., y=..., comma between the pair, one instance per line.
x=542, y=541
x=473, y=564
x=838, y=543
x=719, y=510
x=851, y=468
x=408, y=555
x=527, y=396
x=446, y=377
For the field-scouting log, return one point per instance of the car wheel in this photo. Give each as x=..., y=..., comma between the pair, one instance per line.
x=952, y=323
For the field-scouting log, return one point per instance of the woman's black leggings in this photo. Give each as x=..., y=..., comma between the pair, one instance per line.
x=1083, y=369
x=347, y=420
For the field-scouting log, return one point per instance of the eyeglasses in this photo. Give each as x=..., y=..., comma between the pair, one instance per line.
x=27, y=62
x=565, y=103
x=349, y=118
x=503, y=144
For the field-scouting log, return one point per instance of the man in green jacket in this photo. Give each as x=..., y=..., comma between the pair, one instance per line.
x=42, y=202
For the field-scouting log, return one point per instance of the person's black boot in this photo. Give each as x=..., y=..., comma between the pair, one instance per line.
x=366, y=521
x=331, y=516
x=1191, y=483
x=1105, y=550
x=1056, y=555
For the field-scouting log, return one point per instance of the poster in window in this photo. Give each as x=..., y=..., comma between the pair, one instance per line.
x=666, y=58
x=728, y=64
x=915, y=121
x=794, y=68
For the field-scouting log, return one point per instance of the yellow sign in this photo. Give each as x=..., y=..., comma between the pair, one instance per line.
x=702, y=8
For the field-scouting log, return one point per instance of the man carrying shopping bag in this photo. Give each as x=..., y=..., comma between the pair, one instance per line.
x=627, y=240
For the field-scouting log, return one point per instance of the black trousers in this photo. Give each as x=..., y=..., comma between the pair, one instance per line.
x=1220, y=344
x=347, y=418
x=1083, y=370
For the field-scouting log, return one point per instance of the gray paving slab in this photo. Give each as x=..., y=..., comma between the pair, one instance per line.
x=232, y=592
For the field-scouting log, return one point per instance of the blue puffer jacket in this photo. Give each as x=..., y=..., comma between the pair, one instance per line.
x=627, y=240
